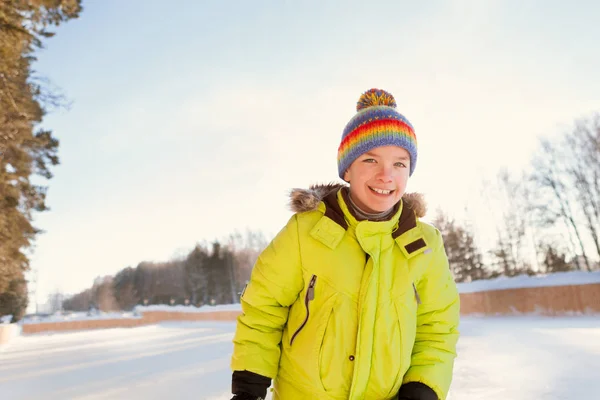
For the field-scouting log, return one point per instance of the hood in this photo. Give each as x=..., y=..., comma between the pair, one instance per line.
x=302, y=200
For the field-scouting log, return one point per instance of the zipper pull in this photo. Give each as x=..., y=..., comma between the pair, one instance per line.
x=311, y=288
x=416, y=294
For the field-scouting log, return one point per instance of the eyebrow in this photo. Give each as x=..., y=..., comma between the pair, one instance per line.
x=403, y=158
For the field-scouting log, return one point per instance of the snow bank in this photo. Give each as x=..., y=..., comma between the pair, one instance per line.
x=524, y=281
x=79, y=316
x=137, y=313
x=7, y=333
x=188, y=309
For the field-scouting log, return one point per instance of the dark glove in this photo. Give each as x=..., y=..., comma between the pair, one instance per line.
x=249, y=386
x=416, y=391
x=245, y=396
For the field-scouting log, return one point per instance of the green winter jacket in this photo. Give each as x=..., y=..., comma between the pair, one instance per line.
x=342, y=309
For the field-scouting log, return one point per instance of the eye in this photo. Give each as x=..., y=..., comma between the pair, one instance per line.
x=369, y=160
x=400, y=164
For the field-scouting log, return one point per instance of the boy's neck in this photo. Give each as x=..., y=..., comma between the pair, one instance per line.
x=362, y=215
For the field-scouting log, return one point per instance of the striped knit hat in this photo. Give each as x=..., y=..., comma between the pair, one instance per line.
x=376, y=124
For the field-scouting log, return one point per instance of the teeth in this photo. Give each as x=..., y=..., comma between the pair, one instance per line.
x=381, y=191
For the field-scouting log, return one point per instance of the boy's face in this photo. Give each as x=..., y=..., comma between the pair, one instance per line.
x=378, y=178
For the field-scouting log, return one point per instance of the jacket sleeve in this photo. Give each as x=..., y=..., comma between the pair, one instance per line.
x=275, y=284
x=438, y=316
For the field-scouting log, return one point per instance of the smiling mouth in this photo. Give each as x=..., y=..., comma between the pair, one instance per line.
x=381, y=191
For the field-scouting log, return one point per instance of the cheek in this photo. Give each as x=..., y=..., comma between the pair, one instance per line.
x=358, y=175
x=402, y=181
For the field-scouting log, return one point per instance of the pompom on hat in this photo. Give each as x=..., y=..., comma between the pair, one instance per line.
x=376, y=124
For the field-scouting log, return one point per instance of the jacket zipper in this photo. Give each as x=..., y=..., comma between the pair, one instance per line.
x=416, y=294
x=310, y=295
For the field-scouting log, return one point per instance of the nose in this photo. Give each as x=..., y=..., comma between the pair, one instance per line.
x=384, y=174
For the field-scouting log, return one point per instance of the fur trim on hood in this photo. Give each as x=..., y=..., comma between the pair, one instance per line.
x=302, y=200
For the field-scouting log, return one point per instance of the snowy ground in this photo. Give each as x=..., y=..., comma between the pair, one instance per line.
x=517, y=358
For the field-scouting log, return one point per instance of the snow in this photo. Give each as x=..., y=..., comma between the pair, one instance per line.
x=136, y=313
x=518, y=357
x=8, y=332
x=499, y=358
x=5, y=319
x=78, y=316
x=193, y=309
x=521, y=358
x=525, y=281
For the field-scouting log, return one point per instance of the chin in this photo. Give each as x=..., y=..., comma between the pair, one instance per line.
x=379, y=208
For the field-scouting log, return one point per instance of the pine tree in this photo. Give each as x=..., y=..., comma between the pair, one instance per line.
x=124, y=289
x=464, y=257
x=555, y=260
x=25, y=149
x=13, y=301
x=195, y=266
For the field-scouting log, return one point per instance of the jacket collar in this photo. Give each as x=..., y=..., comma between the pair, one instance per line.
x=337, y=217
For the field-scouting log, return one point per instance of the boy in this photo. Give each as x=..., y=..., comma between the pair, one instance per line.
x=353, y=299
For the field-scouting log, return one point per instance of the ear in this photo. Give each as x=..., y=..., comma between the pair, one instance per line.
x=347, y=176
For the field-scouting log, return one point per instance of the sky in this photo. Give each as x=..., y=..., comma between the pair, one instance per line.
x=189, y=123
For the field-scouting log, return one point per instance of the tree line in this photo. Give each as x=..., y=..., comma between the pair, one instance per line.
x=208, y=275
x=547, y=217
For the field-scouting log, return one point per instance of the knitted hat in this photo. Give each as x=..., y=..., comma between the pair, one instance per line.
x=376, y=123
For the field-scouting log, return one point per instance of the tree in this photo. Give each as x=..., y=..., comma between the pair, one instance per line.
x=196, y=274
x=556, y=203
x=124, y=289
x=169, y=282
x=245, y=251
x=555, y=260
x=25, y=148
x=205, y=275
x=221, y=276
x=509, y=201
x=143, y=281
x=160, y=283
x=13, y=301
x=102, y=294
x=582, y=159
x=464, y=257
x=55, y=301
x=79, y=302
